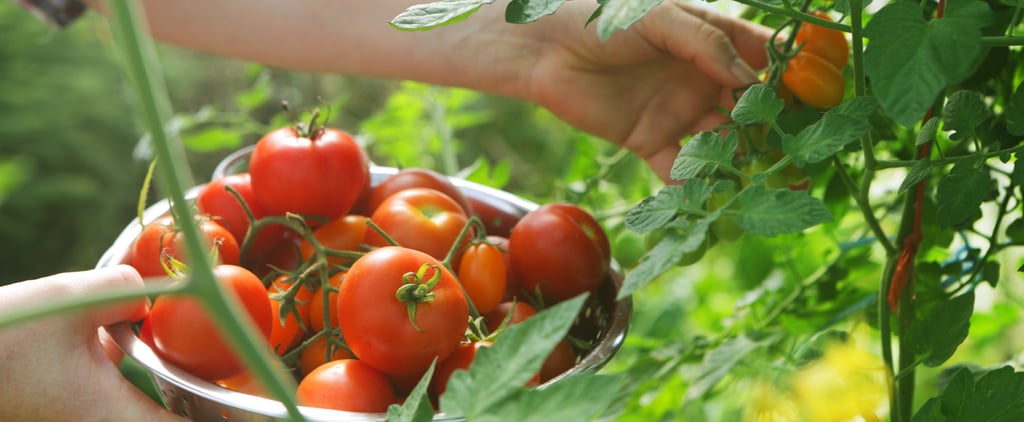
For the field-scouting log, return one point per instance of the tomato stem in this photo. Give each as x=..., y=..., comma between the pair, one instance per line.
x=416, y=289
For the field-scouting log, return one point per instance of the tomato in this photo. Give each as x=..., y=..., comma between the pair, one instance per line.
x=419, y=218
x=461, y=358
x=562, y=358
x=216, y=200
x=317, y=304
x=482, y=273
x=827, y=43
x=316, y=354
x=346, y=384
x=288, y=330
x=415, y=178
x=561, y=250
x=321, y=174
x=498, y=216
x=628, y=248
x=160, y=240
x=725, y=226
x=520, y=312
x=401, y=337
x=187, y=336
x=343, y=234
x=814, y=81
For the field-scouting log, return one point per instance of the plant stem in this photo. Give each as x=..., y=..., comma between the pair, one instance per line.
x=795, y=14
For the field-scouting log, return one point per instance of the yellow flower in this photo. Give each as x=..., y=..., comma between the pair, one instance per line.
x=846, y=383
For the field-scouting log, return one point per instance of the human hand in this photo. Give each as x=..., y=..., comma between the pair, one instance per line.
x=648, y=86
x=60, y=367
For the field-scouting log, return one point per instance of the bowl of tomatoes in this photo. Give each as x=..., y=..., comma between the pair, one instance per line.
x=440, y=264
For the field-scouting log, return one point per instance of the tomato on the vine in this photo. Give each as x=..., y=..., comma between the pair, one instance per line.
x=341, y=234
x=321, y=173
x=186, y=335
x=483, y=275
x=401, y=337
x=419, y=218
x=561, y=250
x=290, y=329
x=317, y=304
x=316, y=354
x=160, y=241
x=827, y=43
x=814, y=81
x=415, y=178
x=216, y=200
x=346, y=384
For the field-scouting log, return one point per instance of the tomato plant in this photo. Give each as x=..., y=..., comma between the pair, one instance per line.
x=160, y=242
x=403, y=336
x=419, y=218
x=346, y=384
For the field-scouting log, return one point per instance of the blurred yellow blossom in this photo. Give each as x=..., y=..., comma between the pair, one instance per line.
x=847, y=383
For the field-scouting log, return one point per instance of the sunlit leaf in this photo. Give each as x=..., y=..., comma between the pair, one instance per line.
x=759, y=104
x=704, y=153
x=432, y=15
x=617, y=15
x=526, y=11
x=839, y=126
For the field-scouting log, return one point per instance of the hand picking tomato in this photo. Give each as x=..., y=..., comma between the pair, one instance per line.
x=561, y=250
x=415, y=178
x=321, y=173
x=347, y=384
x=814, y=81
x=160, y=241
x=186, y=335
x=482, y=273
x=419, y=218
x=827, y=43
x=401, y=337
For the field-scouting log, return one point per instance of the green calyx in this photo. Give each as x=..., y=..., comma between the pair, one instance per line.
x=417, y=288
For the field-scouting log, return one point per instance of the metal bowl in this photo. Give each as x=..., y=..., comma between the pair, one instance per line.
x=604, y=322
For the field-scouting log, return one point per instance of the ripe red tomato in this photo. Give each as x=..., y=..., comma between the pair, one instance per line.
x=348, y=385
x=520, y=312
x=380, y=330
x=160, y=241
x=561, y=250
x=216, y=200
x=829, y=44
x=814, y=81
x=316, y=354
x=343, y=234
x=415, y=178
x=562, y=358
x=419, y=218
x=186, y=335
x=482, y=273
x=321, y=174
x=284, y=336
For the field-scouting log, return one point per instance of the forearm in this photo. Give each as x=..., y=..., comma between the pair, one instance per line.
x=352, y=38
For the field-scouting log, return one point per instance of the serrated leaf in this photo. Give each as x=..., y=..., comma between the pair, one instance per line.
x=526, y=11
x=579, y=398
x=917, y=173
x=664, y=255
x=417, y=406
x=927, y=132
x=720, y=361
x=770, y=212
x=964, y=112
x=910, y=60
x=839, y=126
x=960, y=193
x=1015, y=111
x=656, y=211
x=937, y=333
x=432, y=15
x=499, y=372
x=617, y=15
x=996, y=396
x=704, y=153
x=759, y=104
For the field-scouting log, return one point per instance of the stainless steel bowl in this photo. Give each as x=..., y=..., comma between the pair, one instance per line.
x=200, y=400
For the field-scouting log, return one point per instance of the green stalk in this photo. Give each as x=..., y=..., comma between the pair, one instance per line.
x=141, y=65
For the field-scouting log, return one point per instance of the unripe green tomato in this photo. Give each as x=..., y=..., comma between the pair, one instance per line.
x=759, y=165
x=628, y=248
x=725, y=226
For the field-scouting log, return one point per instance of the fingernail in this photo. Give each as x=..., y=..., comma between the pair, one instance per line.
x=743, y=72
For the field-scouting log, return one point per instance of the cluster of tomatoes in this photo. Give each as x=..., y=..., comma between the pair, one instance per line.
x=815, y=74
x=359, y=288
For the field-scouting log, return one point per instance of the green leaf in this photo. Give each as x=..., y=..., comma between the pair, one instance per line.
x=927, y=132
x=960, y=194
x=212, y=139
x=769, y=212
x=526, y=11
x=656, y=211
x=1015, y=112
x=910, y=60
x=964, y=112
x=500, y=371
x=990, y=272
x=937, y=333
x=432, y=15
x=917, y=173
x=684, y=239
x=759, y=104
x=417, y=406
x=617, y=15
x=257, y=95
x=839, y=126
x=579, y=398
x=996, y=396
x=718, y=362
x=704, y=153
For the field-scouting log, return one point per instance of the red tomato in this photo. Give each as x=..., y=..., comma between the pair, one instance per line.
x=829, y=44
x=288, y=330
x=322, y=174
x=520, y=312
x=419, y=218
x=216, y=200
x=284, y=255
x=415, y=178
x=160, y=240
x=186, y=335
x=317, y=303
x=316, y=354
x=343, y=234
x=561, y=250
x=814, y=81
x=498, y=216
x=461, y=358
x=380, y=330
x=482, y=273
x=348, y=385
x=561, y=359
